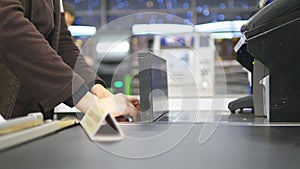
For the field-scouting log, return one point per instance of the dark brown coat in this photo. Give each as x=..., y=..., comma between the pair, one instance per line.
x=37, y=58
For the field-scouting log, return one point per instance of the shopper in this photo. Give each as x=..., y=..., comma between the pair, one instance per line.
x=40, y=66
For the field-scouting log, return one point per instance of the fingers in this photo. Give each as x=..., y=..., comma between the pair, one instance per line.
x=100, y=91
x=132, y=112
x=135, y=101
x=130, y=109
x=121, y=105
x=132, y=99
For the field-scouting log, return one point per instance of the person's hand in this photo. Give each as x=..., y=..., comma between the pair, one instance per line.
x=135, y=102
x=120, y=105
x=100, y=91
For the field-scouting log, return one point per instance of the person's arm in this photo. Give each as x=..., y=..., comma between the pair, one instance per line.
x=26, y=53
x=71, y=55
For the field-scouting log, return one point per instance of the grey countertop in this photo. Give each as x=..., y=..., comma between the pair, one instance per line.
x=208, y=145
x=210, y=138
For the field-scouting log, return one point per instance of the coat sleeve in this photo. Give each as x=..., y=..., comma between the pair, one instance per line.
x=26, y=53
x=71, y=55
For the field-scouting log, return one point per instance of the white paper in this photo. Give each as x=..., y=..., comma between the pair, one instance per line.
x=100, y=125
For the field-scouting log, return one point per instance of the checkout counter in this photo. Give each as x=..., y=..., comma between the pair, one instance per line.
x=237, y=141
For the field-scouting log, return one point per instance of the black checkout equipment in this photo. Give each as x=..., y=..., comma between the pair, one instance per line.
x=270, y=50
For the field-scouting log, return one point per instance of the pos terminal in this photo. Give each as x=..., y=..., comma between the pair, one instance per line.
x=271, y=42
